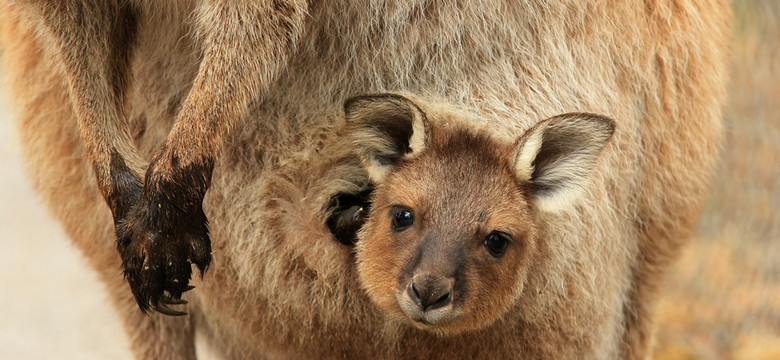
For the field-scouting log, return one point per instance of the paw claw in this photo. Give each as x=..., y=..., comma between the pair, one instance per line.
x=157, y=263
x=164, y=309
x=172, y=301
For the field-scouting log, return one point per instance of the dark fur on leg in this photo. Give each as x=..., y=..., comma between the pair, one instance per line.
x=163, y=235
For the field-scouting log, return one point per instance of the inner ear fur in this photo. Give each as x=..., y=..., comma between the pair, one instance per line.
x=558, y=154
x=385, y=128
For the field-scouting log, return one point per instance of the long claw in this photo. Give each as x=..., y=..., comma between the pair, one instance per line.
x=188, y=288
x=164, y=309
x=172, y=301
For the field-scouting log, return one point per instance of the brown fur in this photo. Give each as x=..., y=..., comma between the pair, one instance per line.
x=281, y=286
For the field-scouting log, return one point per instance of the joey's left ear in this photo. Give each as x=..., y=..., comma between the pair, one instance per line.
x=384, y=129
x=558, y=154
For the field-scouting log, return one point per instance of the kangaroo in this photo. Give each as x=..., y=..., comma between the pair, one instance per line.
x=453, y=226
x=221, y=134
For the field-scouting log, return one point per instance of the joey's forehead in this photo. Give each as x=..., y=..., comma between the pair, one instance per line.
x=461, y=182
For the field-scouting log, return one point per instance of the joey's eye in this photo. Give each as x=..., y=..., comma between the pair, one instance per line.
x=496, y=243
x=402, y=218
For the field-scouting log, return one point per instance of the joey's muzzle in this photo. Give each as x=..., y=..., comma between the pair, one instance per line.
x=430, y=292
x=428, y=299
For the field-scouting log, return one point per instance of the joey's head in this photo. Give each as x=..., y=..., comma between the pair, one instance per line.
x=452, y=228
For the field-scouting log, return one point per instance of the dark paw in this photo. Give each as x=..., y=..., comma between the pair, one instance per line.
x=158, y=245
x=348, y=216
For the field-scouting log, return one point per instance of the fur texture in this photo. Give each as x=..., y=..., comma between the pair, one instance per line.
x=280, y=285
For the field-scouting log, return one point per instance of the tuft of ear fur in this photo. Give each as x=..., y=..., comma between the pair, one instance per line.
x=384, y=129
x=557, y=155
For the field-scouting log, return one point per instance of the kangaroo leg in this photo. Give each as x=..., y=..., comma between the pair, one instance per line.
x=94, y=42
x=245, y=46
x=160, y=224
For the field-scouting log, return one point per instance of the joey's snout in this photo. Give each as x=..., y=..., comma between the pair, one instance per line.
x=428, y=298
x=430, y=292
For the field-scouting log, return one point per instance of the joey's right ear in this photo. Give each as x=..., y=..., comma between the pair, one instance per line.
x=384, y=129
x=558, y=154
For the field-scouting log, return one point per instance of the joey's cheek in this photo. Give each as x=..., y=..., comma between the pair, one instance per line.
x=378, y=258
x=492, y=287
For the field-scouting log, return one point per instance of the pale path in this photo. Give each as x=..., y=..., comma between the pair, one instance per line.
x=51, y=303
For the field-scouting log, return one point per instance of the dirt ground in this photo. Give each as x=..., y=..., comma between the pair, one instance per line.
x=722, y=299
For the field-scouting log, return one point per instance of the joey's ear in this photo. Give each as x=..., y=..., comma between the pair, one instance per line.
x=384, y=129
x=557, y=155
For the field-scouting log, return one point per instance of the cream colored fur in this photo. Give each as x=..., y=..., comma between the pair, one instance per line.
x=576, y=140
x=281, y=287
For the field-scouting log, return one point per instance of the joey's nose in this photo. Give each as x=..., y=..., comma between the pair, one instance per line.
x=430, y=292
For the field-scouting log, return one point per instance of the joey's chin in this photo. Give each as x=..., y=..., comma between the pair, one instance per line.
x=438, y=319
x=441, y=324
x=445, y=320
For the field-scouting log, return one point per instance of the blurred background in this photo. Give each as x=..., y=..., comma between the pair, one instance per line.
x=721, y=299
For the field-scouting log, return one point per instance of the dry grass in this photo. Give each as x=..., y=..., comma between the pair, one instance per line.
x=722, y=299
